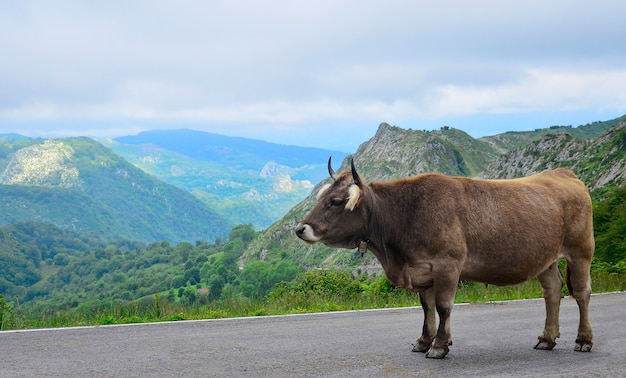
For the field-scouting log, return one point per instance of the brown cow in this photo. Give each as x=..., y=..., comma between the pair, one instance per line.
x=429, y=231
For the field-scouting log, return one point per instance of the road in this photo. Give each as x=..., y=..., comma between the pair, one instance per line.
x=493, y=339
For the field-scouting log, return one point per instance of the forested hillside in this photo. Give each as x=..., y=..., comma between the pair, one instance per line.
x=52, y=269
x=78, y=184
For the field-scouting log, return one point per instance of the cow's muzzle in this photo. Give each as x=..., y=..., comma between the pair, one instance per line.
x=305, y=232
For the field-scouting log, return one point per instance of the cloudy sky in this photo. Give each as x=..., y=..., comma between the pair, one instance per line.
x=318, y=73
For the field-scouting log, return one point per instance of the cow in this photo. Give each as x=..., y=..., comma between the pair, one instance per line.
x=429, y=231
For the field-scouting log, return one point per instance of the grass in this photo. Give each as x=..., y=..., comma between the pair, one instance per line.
x=317, y=293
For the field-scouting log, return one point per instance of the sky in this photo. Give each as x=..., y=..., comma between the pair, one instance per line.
x=309, y=73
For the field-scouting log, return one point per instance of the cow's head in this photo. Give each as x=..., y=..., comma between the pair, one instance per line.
x=339, y=219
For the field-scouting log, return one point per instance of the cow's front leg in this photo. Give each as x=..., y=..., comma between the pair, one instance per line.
x=427, y=299
x=439, y=346
x=444, y=300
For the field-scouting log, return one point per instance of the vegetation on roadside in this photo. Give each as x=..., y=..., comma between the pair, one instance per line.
x=313, y=291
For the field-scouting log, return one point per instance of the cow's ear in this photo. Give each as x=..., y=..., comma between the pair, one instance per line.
x=354, y=197
x=355, y=174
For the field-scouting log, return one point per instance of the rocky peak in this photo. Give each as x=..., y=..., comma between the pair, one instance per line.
x=46, y=164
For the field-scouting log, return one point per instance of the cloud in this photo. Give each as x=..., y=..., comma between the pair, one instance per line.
x=537, y=90
x=288, y=67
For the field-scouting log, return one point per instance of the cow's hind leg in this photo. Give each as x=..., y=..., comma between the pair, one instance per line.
x=427, y=299
x=551, y=284
x=579, y=284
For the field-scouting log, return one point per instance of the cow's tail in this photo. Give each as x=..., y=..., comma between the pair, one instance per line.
x=568, y=280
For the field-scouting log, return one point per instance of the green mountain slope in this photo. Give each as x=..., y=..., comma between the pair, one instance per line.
x=78, y=184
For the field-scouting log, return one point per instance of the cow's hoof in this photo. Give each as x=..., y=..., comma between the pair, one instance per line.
x=436, y=352
x=583, y=347
x=545, y=345
x=420, y=346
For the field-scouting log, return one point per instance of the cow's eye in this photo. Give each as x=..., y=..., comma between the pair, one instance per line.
x=337, y=202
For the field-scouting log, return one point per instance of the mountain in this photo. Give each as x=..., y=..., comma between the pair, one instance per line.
x=394, y=152
x=12, y=137
x=598, y=162
x=78, y=184
x=511, y=140
x=244, y=180
x=237, y=152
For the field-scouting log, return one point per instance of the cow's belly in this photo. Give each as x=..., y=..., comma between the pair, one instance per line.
x=514, y=255
x=497, y=279
x=504, y=274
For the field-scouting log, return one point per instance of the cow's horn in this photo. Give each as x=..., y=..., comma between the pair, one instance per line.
x=331, y=172
x=355, y=175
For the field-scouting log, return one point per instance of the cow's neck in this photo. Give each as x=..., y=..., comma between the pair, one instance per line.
x=363, y=244
x=376, y=234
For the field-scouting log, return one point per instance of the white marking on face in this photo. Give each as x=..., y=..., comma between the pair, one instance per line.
x=354, y=194
x=322, y=190
x=308, y=235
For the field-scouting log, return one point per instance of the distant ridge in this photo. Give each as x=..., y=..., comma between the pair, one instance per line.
x=12, y=137
x=229, y=150
x=244, y=180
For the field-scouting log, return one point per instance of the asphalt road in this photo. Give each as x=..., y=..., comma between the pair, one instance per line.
x=493, y=339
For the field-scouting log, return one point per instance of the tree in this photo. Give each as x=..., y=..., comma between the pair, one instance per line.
x=222, y=264
x=189, y=294
x=243, y=232
x=254, y=279
x=33, y=253
x=258, y=277
x=610, y=227
x=284, y=271
x=61, y=259
x=6, y=312
x=216, y=284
